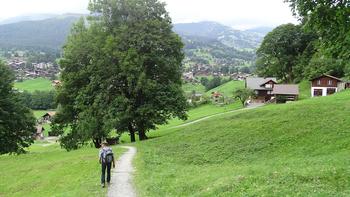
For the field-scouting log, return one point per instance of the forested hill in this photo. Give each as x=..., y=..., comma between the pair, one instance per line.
x=214, y=44
x=49, y=33
x=249, y=39
x=206, y=43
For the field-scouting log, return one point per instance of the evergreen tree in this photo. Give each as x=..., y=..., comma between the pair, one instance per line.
x=16, y=121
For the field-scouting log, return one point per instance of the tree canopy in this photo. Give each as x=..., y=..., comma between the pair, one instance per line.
x=320, y=44
x=243, y=94
x=121, y=71
x=281, y=52
x=329, y=19
x=16, y=121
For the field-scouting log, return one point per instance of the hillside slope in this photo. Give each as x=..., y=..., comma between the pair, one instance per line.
x=227, y=89
x=49, y=33
x=298, y=149
x=216, y=31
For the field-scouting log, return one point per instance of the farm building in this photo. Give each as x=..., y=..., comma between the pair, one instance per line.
x=216, y=96
x=48, y=117
x=262, y=87
x=325, y=85
x=285, y=92
x=267, y=89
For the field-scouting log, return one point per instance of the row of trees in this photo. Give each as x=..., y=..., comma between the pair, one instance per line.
x=321, y=44
x=17, y=123
x=39, y=100
x=121, y=71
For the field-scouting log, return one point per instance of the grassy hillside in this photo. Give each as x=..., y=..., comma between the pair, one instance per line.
x=228, y=88
x=48, y=33
x=305, y=89
x=40, y=84
x=189, y=87
x=296, y=149
x=51, y=171
x=193, y=115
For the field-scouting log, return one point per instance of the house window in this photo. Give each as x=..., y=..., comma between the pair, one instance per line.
x=330, y=82
x=268, y=86
x=330, y=91
x=318, y=82
x=318, y=92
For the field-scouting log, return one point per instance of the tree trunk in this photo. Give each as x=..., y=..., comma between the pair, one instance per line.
x=142, y=135
x=132, y=133
x=97, y=142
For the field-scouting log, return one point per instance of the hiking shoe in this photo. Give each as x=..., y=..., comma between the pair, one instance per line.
x=103, y=185
x=108, y=184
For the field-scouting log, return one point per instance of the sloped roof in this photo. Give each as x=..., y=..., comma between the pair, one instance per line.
x=51, y=114
x=286, y=89
x=255, y=83
x=325, y=75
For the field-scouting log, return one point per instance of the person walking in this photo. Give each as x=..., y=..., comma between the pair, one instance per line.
x=106, y=159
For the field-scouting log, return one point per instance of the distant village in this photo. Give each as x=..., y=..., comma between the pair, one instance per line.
x=30, y=64
x=23, y=71
x=205, y=70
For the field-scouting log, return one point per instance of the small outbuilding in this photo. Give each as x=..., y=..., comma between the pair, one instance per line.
x=48, y=116
x=285, y=92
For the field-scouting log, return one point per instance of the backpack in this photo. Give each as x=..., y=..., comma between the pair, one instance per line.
x=107, y=156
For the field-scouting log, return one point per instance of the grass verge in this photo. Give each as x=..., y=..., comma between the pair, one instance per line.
x=51, y=171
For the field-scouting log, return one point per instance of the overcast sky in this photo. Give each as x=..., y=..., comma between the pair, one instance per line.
x=240, y=14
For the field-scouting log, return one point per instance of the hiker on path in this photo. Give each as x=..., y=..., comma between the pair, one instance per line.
x=106, y=159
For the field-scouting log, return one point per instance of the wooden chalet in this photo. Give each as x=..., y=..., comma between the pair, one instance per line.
x=267, y=89
x=262, y=87
x=325, y=85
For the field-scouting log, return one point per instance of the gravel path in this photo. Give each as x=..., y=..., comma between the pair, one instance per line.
x=121, y=183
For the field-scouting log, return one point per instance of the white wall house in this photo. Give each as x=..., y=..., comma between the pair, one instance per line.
x=326, y=85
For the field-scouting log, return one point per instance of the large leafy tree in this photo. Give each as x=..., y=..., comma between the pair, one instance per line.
x=16, y=121
x=243, y=94
x=122, y=71
x=281, y=50
x=330, y=19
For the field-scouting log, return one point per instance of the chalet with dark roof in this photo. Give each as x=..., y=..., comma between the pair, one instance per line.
x=267, y=89
x=325, y=85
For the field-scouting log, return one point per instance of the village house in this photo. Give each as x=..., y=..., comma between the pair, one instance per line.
x=56, y=83
x=325, y=85
x=216, y=96
x=189, y=77
x=267, y=90
x=46, y=118
x=262, y=87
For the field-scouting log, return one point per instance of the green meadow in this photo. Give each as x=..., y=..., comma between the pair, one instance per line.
x=228, y=88
x=189, y=87
x=40, y=84
x=295, y=149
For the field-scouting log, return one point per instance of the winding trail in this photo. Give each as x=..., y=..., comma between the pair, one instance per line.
x=121, y=180
x=252, y=106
